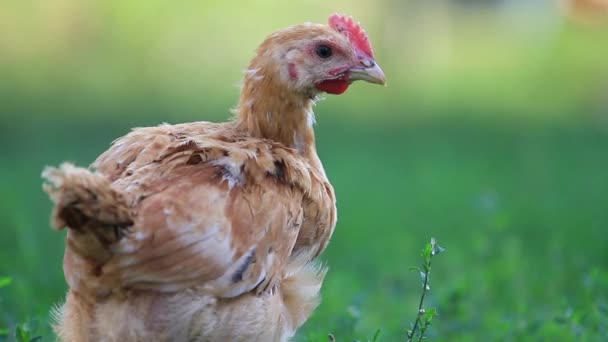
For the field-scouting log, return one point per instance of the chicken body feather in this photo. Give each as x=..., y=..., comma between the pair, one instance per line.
x=213, y=211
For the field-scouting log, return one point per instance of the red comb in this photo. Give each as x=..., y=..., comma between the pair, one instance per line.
x=354, y=32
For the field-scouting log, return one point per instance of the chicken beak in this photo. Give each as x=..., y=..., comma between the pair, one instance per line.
x=368, y=71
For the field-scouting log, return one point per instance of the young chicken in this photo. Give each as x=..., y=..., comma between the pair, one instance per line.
x=210, y=231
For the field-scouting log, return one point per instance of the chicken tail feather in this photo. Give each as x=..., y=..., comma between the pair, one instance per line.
x=96, y=213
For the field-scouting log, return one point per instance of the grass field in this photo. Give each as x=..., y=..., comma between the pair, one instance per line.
x=521, y=209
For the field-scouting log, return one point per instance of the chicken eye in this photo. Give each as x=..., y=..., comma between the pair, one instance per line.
x=324, y=51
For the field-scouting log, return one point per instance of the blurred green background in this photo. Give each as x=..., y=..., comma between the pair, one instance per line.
x=492, y=136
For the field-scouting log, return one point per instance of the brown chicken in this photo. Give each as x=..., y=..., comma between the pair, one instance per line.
x=210, y=231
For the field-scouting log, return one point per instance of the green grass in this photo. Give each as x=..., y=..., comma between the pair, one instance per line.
x=522, y=208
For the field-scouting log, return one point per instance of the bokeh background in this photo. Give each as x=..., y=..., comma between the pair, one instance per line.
x=492, y=136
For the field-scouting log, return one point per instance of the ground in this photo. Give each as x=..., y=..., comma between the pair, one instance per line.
x=520, y=208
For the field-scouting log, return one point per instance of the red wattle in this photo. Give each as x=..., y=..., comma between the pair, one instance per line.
x=336, y=87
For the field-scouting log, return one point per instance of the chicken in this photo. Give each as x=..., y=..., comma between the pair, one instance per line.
x=211, y=231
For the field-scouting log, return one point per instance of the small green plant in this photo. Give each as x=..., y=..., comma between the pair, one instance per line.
x=4, y=282
x=424, y=317
x=24, y=332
